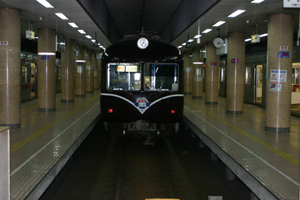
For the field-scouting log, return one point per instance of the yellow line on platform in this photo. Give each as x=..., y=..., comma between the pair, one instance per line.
x=279, y=152
x=34, y=135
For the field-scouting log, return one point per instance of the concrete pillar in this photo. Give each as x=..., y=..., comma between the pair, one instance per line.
x=187, y=73
x=235, y=73
x=279, y=81
x=67, y=72
x=99, y=67
x=197, y=74
x=212, y=75
x=10, y=79
x=80, y=73
x=5, y=162
x=89, y=73
x=46, y=70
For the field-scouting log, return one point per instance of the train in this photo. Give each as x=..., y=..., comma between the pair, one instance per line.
x=142, y=86
x=255, y=79
x=29, y=70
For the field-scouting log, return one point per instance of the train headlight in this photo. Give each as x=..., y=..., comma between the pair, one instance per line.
x=142, y=43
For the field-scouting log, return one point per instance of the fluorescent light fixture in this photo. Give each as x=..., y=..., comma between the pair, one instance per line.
x=93, y=40
x=198, y=63
x=46, y=53
x=45, y=3
x=219, y=23
x=62, y=16
x=264, y=35
x=257, y=1
x=190, y=40
x=79, y=61
x=236, y=13
x=179, y=47
x=248, y=39
x=183, y=44
x=81, y=31
x=197, y=36
x=88, y=36
x=207, y=30
x=73, y=25
x=62, y=43
x=101, y=46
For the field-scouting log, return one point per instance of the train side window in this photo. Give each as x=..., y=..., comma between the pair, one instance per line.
x=248, y=75
x=24, y=74
x=161, y=77
x=124, y=76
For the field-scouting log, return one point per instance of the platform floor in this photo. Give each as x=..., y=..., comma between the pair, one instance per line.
x=46, y=140
x=267, y=162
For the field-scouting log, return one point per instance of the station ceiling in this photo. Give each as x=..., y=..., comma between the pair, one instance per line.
x=173, y=20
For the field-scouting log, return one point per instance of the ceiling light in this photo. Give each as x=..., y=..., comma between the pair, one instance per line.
x=207, y=30
x=236, y=13
x=197, y=36
x=81, y=31
x=257, y=1
x=46, y=53
x=248, y=39
x=264, y=35
x=219, y=23
x=190, y=40
x=183, y=44
x=198, y=63
x=93, y=40
x=88, y=37
x=73, y=25
x=45, y=3
x=179, y=47
x=79, y=61
x=62, y=16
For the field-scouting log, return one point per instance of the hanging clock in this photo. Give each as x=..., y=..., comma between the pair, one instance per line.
x=218, y=42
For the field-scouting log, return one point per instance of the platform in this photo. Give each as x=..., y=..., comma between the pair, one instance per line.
x=46, y=141
x=268, y=163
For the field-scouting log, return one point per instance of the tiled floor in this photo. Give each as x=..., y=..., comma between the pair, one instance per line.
x=271, y=159
x=46, y=140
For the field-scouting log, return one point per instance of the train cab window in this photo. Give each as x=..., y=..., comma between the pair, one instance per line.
x=161, y=77
x=124, y=76
x=24, y=74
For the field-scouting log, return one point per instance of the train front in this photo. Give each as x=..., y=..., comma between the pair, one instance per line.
x=142, y=85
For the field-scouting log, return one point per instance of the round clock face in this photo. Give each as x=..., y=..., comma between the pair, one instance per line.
x=218, y=42
x=142, y=43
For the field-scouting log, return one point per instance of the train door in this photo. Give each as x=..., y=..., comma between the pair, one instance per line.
x=295, y=87
x=258, y=81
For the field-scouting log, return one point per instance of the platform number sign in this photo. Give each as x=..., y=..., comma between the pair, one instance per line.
x=291, y=3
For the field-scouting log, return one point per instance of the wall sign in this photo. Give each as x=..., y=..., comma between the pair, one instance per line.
x=283, y=54
x=278, y=76
x=283, y=48
x=213, y=63
x=44, y=57
x=291, y=4
x=3, y=43
x=235, y=60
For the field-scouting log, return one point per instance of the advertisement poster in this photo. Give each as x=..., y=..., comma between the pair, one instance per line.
x=275, y=86
x=278, y=76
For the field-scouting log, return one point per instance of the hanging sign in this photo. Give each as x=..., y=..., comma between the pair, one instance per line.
x=291, y=4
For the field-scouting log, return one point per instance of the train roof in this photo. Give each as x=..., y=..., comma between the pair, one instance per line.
x=128, y=51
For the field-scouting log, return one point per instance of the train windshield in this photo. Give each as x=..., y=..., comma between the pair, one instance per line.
x=124, y=76
x=161, y=77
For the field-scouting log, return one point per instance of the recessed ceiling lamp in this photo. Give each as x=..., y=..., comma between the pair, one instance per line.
x=45, y=3
x=264, y=35
x=93, y=40
x=219, y=23
x=197, y=36
x=179, y=47
x=62, y=16
x=73, y=25
x=183, y=44
x=207, y=30
x=190, y=40
x=88, y=37
x=257, y=1
x=236, y=13
x=81, y=31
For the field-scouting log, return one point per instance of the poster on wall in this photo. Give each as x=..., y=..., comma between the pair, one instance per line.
x=278, y=76
x=275, y=86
